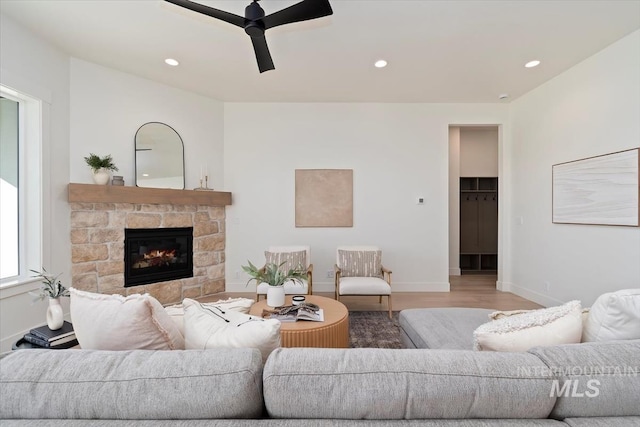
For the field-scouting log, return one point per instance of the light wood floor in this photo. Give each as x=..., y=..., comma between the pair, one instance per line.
x=466, y=291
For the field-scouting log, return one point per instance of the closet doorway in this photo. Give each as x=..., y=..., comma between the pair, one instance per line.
x=473, y=199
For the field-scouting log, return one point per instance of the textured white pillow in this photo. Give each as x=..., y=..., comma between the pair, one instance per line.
x=292, y=260
x=207, y=327
x=614, y=316
x=544, y=327
x=241, y=305
x=501, y=314
x=114, y=322
x=360, y=263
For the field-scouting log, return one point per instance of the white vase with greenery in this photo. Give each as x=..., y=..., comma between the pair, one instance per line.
x=101, y=167
x=275, y=277
x=51, y=288
x=55, y=315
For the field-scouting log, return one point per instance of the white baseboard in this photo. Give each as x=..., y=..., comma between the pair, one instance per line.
x=330, y=287
x=455, y=272
x=536, y=297
x=503, y=286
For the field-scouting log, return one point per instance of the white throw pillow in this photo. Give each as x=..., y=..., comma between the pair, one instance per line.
x=614, y=316
x=114, y=322
x=207, y=327
x=500, y=314
x=360, y=263
x=544, y=327
x=241, y=305
x=289, y=260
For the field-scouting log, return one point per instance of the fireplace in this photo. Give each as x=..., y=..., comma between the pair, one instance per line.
x=157, y=255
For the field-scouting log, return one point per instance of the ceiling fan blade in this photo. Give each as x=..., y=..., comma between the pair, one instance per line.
x=303, y=11
x=265, y=63
x=231, y=18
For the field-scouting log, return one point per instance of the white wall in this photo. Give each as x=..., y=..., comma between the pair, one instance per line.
x=398, y=152
x=479, y=151
x=108, y=107
x=592, y=109
x=33, y=67
x=454, y=200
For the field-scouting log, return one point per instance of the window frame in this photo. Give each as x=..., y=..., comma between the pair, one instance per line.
x=30, y=194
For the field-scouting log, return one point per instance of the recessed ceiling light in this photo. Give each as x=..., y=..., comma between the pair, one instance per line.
x=171, y=61
x=381, y=63
x=503, y=96
x=532, y=64
x=145, y=174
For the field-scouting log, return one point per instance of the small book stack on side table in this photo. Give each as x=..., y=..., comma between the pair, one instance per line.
x=43, y=337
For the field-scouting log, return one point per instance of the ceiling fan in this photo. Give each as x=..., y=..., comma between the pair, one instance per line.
x=255, y=22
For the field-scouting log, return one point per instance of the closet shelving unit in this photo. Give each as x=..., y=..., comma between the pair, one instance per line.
x=478, y=224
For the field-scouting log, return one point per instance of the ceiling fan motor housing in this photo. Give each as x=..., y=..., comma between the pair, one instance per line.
x=253, y=15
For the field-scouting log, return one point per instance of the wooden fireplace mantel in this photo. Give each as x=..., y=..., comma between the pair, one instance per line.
x=90, y=193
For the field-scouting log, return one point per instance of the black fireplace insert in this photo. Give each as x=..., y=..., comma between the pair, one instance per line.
x=154, y=255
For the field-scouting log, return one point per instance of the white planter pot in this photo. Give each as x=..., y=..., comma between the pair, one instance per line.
x=101, y=176
x=55, y=316
x=275, y=296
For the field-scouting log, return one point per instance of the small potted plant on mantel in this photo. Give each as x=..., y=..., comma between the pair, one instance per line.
x=272, y=275
x=101, y=166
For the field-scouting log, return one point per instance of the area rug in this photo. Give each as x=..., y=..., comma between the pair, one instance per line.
x=374, y=329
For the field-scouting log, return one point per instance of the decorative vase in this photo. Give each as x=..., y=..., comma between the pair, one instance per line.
x=55, y=316
x=101, y=176
x=275, y=296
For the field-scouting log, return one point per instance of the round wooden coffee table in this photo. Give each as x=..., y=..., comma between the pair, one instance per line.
x=332, y=333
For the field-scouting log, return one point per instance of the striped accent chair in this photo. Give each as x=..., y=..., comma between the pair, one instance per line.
x=293, y=258
x=359, y=271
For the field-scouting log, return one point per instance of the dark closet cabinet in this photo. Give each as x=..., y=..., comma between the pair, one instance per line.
x=478, y=224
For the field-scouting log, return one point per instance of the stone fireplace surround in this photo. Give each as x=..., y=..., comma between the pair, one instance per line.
x=99, y=215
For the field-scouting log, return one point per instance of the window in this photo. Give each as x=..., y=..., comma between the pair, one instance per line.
x=9, y=266
x=20, y=183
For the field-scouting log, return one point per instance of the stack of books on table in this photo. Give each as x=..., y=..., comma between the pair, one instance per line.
x=44, y=337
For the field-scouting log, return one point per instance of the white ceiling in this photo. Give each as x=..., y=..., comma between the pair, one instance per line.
x=438, y=51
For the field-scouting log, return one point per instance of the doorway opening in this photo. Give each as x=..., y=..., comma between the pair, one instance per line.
x=473, y=199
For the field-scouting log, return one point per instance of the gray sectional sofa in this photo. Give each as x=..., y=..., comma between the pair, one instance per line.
x=327, y=387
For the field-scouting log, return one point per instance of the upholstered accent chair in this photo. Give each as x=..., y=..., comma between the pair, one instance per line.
x=293, y=257
x=359, y=271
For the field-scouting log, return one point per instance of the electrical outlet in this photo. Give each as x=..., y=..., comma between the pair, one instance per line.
x=237, y=274
x=329, y=274
x=547, y=286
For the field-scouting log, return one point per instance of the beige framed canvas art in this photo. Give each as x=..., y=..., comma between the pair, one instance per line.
x=601, y=190
x=324, y=197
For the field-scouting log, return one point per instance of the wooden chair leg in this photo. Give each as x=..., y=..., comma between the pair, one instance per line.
x=380, y=299
x=389, y=303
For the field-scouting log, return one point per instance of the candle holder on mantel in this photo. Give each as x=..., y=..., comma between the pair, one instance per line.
x=206, y=185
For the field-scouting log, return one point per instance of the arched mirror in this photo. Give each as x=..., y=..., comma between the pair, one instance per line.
x=159, y=157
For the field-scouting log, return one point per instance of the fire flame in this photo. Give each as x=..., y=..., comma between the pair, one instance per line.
x=164, y=255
